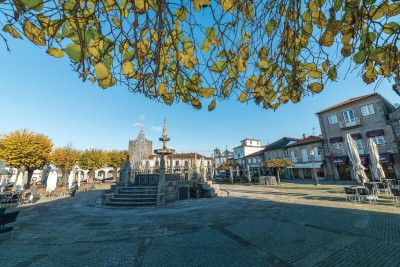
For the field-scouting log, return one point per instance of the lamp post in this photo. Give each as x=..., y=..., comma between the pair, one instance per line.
x=312, y=154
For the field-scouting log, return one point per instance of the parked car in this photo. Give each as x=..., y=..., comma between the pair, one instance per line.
x=9, y=186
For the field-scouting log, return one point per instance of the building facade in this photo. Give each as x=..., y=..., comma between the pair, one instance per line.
x=363, y=118
x=307, y=155
x=277, y=150
x=247, y=147
x=139, y=149
x=221, y=157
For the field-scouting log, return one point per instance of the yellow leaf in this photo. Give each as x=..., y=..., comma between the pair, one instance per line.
x=34, y=34
x=161, y=88
x=206, y=92
x=55, y=52
x=12, y=31
x=326, y=39
x=227, y=5
x=242, y=65
x=318, y=18
x=212, y=105
x=243, y=97
x=310, y=66
x=315, y=87
x=251, y=82
x=128, y=70
x=263, y=64
x=101, y=71
x=116, y=22
x=315, y=74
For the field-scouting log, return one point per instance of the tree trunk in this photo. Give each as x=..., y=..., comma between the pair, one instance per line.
x=91, y=176
x=115, y=174
x=29, y=178
x=277, y=176
x=64, y=178
x=19, y=170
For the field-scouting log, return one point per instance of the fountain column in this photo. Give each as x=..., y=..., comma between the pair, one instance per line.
x=163, y=152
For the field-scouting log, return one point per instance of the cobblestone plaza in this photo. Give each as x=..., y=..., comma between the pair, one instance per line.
x=294, y=224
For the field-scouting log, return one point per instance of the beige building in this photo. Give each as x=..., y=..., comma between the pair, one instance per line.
x=307, y=155
x=362, y=117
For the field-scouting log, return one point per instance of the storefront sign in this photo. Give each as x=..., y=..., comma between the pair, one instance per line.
x=336, y=139
x=340, y=160
x=364, y=160
x=356, y=136
x=375, y=133
x=385, y=158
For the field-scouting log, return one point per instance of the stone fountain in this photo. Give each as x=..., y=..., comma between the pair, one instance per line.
x=163, y=152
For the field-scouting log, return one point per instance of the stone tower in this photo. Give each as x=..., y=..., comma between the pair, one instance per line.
x=139, y=149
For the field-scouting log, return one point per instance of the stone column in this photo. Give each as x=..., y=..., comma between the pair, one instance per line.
x=161, y=183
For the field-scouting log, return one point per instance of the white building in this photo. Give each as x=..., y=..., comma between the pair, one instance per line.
x=221, y=157
x=247, y=146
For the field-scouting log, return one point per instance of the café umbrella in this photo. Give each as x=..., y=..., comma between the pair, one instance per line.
x=377, y=169
x=355, y=160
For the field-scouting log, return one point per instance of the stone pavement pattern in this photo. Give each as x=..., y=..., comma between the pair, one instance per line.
x=294, y=224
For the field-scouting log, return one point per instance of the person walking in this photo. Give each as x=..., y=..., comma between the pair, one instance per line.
x=74, y=188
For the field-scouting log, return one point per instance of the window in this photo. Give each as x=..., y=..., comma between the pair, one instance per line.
x=304, y=154
x=359, y=145
x=379, y=139
x=332, y=119
x=348, y=116
x=367, y=110
x=337, y=146
x=293, y=155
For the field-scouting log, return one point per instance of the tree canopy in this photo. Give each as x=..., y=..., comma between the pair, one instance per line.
x=25, y=150
x=92, y=159
x=203, y=51
x=115, y=159
x=277, y=163
x=227, y=165
x=65, y=158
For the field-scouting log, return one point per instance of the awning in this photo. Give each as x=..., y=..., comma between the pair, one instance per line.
x=364, y=160
x=356, y=136
x=385, y=158
x=336, y=139
x=375, y=133
x=312, y=165
x=340, y=160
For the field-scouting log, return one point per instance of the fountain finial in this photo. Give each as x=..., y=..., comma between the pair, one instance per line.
x=165, y=128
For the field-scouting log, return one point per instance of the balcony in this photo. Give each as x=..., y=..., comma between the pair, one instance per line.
x=350, y=124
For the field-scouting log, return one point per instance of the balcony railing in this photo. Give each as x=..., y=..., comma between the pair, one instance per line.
x=350, y=124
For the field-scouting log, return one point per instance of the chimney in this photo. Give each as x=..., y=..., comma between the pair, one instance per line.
x=304, y=136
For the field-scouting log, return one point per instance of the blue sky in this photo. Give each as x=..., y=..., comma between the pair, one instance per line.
x=43, y=94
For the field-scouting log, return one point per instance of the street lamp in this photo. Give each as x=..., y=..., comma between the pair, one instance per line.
x=312, y=154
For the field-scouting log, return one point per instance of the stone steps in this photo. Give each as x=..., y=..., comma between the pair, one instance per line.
x=134, y=196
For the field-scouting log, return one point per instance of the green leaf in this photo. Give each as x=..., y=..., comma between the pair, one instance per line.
x=391, y=28
x=359, y=57
x=181, y=13
x=206, y=45
x=332, y=73
x=218, y=66
x=36, y=5
x=74, y=52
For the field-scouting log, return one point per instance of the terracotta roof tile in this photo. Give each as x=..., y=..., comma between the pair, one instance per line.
x=309, y=139
x=348, y=101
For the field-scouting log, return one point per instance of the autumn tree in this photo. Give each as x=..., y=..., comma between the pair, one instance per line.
x=26, y=151
x=92, y=159
x=65, y=158
x=226, y=166
x=202, y=51
x=115, y=159
x=277, y=164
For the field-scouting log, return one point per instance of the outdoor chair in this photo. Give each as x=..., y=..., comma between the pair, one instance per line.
x=351, y=193
x=365, y=193
x=396, y=194
x=373, y=188
x=26, y=198
x=383, y=187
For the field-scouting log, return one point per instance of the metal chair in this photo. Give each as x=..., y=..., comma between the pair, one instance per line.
x=383, y=187
x=396, y=194
x=351, y=193
x=365, y=193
